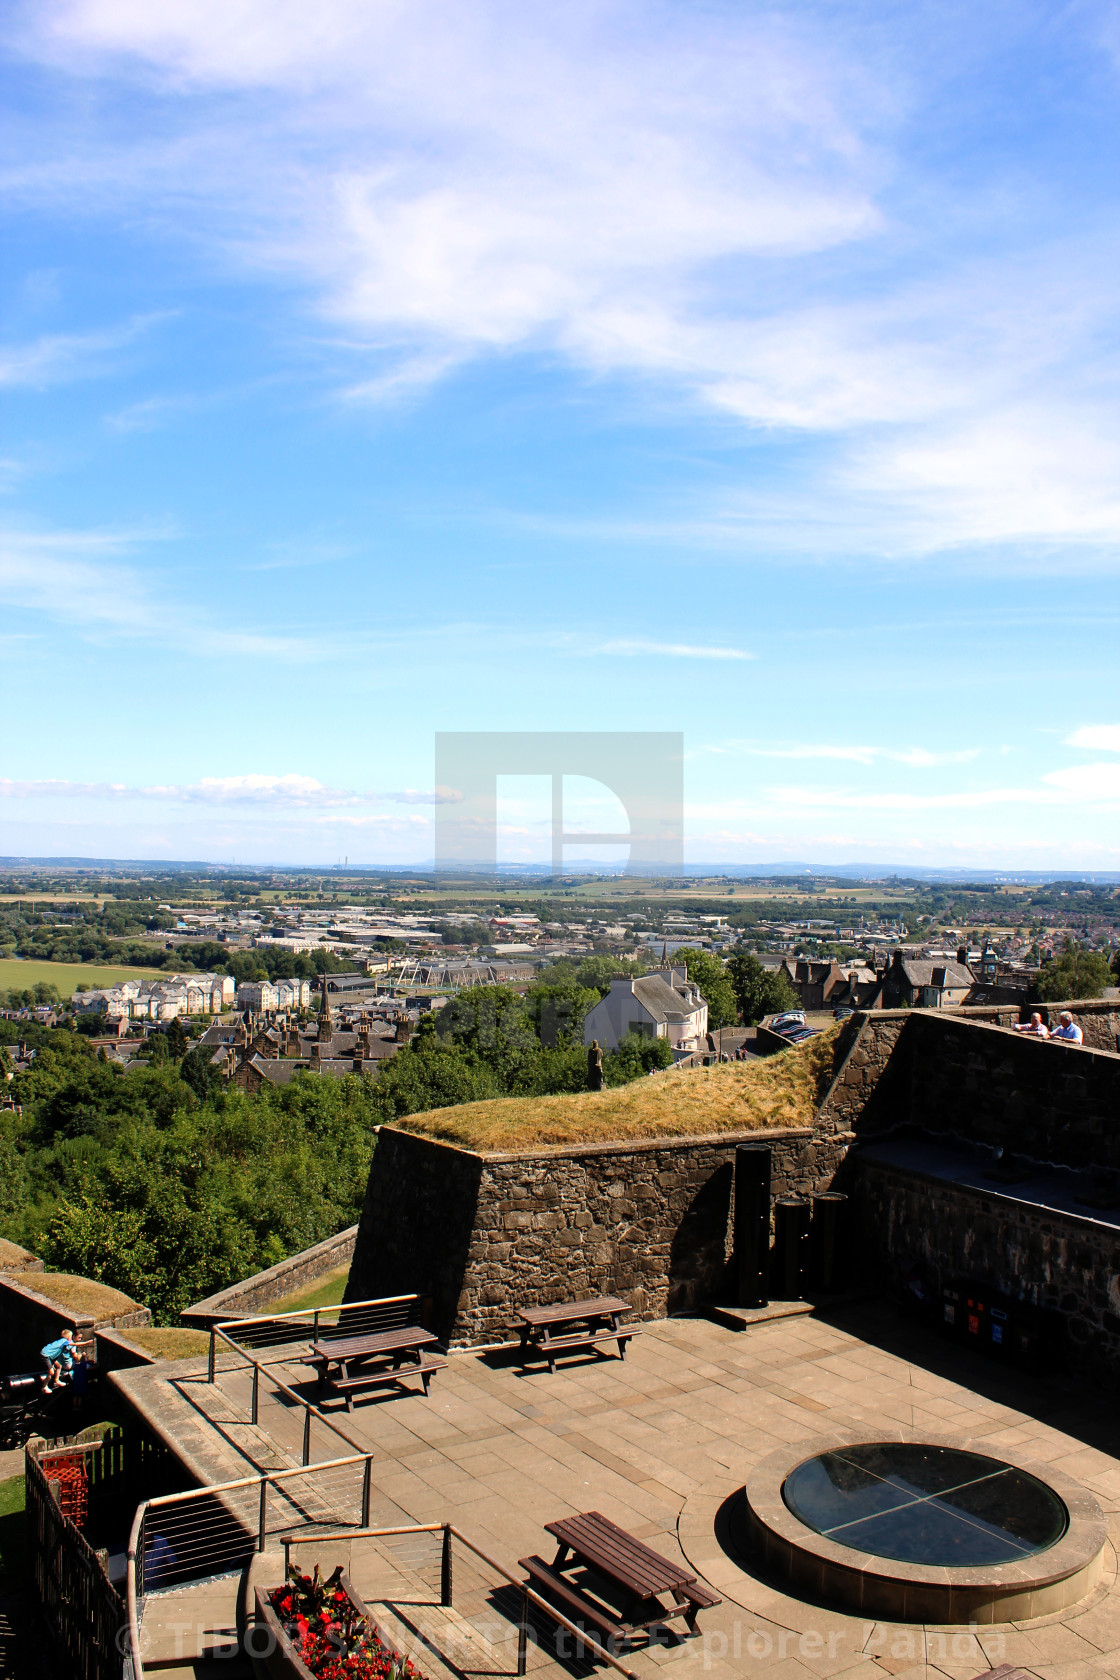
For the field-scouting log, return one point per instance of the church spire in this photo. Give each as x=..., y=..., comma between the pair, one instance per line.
x=326, y=1025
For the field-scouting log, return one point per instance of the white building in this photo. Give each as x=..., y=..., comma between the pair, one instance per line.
x=661, y=1005
x=161, y=1000
x=259, y=996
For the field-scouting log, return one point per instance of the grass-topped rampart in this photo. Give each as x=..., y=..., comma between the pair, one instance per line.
x=784, y=1090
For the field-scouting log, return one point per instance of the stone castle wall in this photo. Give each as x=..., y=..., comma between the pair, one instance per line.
x=484, y=1234
x=29, y=1320
x=1051, y=1259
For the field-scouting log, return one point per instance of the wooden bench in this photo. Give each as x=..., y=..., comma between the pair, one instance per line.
x=539, y=1324
x=699, y=1598
x=629, y=1567
x=424, y=1368
x=580, y=1607
x=399, y=1353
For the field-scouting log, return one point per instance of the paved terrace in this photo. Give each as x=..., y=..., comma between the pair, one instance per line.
x=657, y=1444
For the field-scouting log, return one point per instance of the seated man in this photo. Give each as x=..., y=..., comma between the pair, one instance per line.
x=1068, y=1029
x=1036, y=1025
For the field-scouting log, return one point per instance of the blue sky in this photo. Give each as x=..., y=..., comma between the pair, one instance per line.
x=374, y=369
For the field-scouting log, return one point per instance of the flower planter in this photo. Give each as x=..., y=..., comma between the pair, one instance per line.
x=278, y=1653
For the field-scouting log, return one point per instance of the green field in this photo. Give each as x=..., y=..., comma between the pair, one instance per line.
x=15, y=974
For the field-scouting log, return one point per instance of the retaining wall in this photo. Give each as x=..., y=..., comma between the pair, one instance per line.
x=484, y=1234
x=257, y=1293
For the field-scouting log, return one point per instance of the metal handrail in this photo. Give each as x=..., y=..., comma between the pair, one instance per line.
x=310, y=1410
x=301, y=1312
x=263, y=1482
x=448, y=1530
x=130, y=1593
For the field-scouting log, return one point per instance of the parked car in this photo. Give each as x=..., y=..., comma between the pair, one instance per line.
x=843, y=1011
x=798, y=1035
x=788, y=1018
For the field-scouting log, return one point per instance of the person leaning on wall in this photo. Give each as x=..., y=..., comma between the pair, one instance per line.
x=1036, y=1026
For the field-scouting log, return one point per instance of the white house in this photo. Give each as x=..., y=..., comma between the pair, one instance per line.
x=662, y=1005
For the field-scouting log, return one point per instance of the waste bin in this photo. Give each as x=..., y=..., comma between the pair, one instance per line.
x=975, y=1320
x=790, y=1260
x=952, y=1302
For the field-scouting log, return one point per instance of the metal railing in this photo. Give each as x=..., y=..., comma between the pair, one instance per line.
x=238, y=1342
x=446, y=1598
x=350, y=1318
x=181, y=1538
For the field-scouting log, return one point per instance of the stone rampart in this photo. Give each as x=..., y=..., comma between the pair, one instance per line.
x=649, y=1220
x=484, y=1234
x=1053, y=1102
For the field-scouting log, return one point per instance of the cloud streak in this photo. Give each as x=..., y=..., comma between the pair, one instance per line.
x=290, y=791
x=634, y=649
x=917, y=758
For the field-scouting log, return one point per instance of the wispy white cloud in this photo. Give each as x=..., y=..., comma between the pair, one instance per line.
x=92, y=580
x=54, y=358
x=631, y=648
x=1088, y=783
x=727, y=202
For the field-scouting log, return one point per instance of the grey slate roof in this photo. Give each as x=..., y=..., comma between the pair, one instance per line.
x=662, y=1001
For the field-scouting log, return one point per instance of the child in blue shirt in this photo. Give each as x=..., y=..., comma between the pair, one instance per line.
x=59, y=1356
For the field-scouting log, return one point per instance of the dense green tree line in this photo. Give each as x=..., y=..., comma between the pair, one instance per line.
x=163, y=1183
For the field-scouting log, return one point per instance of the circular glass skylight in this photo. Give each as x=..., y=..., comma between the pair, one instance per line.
x=925, y=1505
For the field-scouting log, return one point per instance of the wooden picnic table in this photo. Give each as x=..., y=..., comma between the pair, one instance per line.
x=601, y=1318
x=398, y=1353
x=639, y=1575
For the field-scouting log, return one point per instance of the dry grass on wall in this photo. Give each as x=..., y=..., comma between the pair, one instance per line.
x=783, y=1090
x=79, y=1294
x=172, y=1342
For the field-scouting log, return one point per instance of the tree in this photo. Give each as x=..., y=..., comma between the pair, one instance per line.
x=759, y=991
x=709, y=973
x=1077, y=973
x=593, y=972
x=635, y=1056
x=177, y=1041
x=196, y=1070
x=557, y=1009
